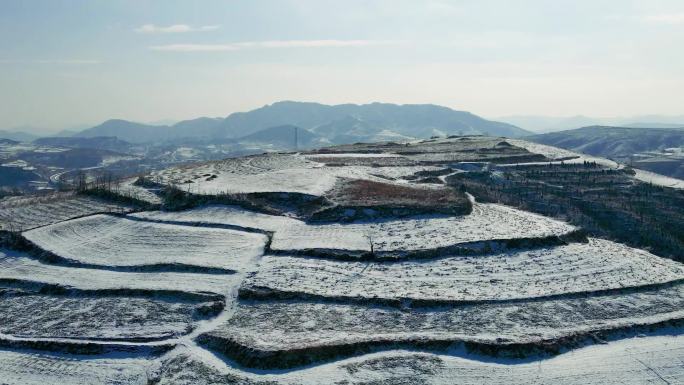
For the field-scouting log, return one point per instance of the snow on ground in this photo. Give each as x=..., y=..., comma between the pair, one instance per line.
x=109, y=160
x=557, y=153
x=114, y=241
x=577, y=267
x=24, y=213
x=19, y=164
x=33, y=368
x=657, y=179
x=394, y=173
x=265, y=173
x=18, y=266
x=486, y=222
x=314, y=157
x=95, y=317
x=222, y=215
x=633, y=361
x=264, y=327
x=128, y=188
x=270, y=173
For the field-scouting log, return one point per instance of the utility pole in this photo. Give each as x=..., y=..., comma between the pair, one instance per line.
x=295, y=137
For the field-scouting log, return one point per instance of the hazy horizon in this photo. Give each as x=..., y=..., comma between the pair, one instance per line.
x=533, y=123
x=70, y=64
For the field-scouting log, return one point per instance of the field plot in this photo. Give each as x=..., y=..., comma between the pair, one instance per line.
x=395, y=174
x=417, y=198
x=25, y=314
x=29, y=368
x=128, y=188
x=106, y=240
x=356, y=159
x=221, y=215
x=657, y=179
x=265, y=173
x=558, y=154
x=634, y=361
x=597, y=265
x=25, y=213
x=486, y=222
x=283, y=334
x=281, y=173
x=15, y=266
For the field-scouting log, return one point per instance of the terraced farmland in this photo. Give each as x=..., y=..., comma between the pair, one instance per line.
x=488, y=222
x=36, y=315
x=576, y=268
x=25, y=213
x=105, y=240
x=264, y=291
x=18, y=268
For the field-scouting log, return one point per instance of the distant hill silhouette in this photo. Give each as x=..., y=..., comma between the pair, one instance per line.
x=342, y=123
x=613, y=142
x=624, y=144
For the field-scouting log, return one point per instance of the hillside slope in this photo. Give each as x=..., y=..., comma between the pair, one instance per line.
x=654, y=149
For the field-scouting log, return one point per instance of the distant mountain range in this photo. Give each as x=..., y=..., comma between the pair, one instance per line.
x=543, y=124
x=335, y=124
x=18, y=136
x=655, y=149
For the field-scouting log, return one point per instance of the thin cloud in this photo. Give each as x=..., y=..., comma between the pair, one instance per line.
x=176, y=28
x=667, y=18
x=53, y=61
x=269, y=44
x=68, y=61
x=194, y=47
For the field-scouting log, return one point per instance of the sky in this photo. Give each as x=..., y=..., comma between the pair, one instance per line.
x=79, y=62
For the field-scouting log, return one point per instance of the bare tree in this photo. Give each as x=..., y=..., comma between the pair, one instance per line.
x=371, y=245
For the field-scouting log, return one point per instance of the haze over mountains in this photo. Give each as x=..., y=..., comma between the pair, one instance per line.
x=330, y=124
x=125, y=147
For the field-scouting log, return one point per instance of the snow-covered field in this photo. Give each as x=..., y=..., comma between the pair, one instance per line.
x=107, y=240
x=633, y=361
x=272, y=173
x=24, y=213
x=95, y=317
x=128, y=188
x=18, y=266
x=40, y=368
x=487, y=222
x=265, y=329
x=657, y=179
x=558, y=153
x=265, y=173
x=575, y=268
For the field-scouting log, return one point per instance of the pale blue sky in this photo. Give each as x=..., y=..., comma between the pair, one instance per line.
x=66, y=63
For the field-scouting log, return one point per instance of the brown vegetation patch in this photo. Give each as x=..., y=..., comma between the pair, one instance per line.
x=371, y=193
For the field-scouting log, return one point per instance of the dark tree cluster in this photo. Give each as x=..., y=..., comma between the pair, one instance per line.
x=605, y=202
